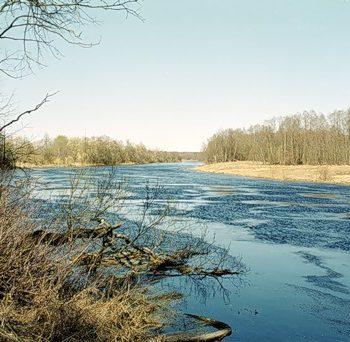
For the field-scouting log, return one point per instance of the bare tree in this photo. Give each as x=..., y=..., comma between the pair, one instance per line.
x=30, y=28
x=10, y=152
x=13, y=120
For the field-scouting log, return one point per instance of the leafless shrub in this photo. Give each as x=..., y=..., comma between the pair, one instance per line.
x=41, y=299
x=82, y=278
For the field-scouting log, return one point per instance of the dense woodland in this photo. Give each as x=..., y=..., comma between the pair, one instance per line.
x=64, y=150
x=308, y=138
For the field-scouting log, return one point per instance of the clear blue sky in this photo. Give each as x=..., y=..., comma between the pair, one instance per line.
x=193, y=67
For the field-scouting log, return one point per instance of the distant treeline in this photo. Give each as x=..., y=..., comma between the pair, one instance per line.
x=308, y=138
x=190, y=156
x=64, y=150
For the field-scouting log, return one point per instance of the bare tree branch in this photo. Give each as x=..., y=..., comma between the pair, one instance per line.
x=34, y=26
x=19, y=116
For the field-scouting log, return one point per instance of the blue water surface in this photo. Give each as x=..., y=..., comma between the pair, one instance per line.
x=293, y=237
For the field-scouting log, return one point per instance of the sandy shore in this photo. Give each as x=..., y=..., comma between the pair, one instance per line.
x=333, y=174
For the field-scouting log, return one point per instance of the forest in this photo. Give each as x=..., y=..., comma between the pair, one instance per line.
x=309, y=138
x=63, y=151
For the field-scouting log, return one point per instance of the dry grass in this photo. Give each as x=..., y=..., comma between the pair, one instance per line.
x=337, y=174
x=40, y=301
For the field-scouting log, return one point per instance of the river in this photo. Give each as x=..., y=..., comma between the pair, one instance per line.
x=293, y=237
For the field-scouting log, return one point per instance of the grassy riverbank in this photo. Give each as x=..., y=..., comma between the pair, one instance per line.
x=333, y=174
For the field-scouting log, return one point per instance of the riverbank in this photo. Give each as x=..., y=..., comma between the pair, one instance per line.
x=74, y=165
x=80, y=165
x=331, y=174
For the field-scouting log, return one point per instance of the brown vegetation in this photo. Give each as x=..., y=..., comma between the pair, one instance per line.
x=74, y=276
x=337, y=174
x=63, y=151
x=75, y=151
x=39, y=301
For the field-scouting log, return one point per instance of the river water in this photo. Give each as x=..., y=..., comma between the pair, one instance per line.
x=293, y=237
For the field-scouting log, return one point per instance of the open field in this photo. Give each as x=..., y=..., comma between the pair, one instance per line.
x=333, y=174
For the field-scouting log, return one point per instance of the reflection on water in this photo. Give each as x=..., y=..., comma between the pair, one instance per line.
x=294, y=237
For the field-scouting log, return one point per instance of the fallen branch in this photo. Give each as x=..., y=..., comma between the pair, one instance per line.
x=223, y=331
x=131, y=256
x=132, y=261
x=59, y=239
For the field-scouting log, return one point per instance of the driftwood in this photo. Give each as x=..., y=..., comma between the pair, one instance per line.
x=223, y=331
x=104, y=230
x=120, y=250
x=136, y=258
